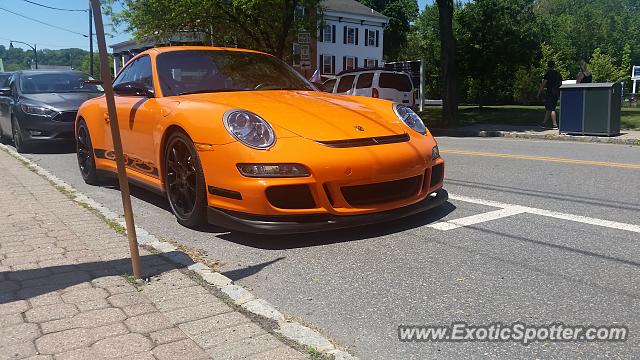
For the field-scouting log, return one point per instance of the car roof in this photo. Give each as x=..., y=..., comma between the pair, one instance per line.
x=53, y=71
x=165, y=49
x=361, y=70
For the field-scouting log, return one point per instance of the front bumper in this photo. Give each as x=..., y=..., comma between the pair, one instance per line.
x=292, y=224
x=50, y=130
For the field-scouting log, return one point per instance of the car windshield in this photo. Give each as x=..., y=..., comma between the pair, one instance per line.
x=201, y=71
x=57, y=83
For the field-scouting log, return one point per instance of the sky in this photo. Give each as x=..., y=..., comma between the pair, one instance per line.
x=14, y=27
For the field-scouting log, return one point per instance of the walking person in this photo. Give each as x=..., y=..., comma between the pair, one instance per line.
x=584, y=76
x=551, y=84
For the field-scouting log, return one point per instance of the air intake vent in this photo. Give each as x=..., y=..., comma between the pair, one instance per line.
x=371, y=141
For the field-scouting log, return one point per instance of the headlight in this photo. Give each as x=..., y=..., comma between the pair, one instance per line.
x=410, y=118
x=37, y=110
x=435, y=153
x=250, y=129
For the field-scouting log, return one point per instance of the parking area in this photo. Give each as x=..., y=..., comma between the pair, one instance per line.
x=524, y=237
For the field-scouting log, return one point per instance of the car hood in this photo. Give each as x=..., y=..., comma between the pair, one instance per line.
x=314, y=115
x=60, y=101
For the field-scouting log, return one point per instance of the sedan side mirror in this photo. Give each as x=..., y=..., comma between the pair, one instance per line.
x=5, y=92
x=133, y=88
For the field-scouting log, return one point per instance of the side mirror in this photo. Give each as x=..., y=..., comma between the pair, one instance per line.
x=133, y=88
x=5, y=92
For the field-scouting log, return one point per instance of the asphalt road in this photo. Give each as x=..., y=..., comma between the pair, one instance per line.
x=571, y=256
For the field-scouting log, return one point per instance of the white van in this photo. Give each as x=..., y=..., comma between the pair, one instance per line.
x=383, y=84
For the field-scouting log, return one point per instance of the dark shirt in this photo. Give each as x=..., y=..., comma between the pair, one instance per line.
x=586, y=79
x=554, y=80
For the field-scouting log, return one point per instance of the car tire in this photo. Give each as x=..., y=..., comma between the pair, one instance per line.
x=85, y=155
x=184, y=181
x=16, y=136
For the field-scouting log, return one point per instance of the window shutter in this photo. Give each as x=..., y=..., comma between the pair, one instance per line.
x=356, y=36
x=333, y=33
x=345, y=34
x=355, y=64
x=377, y=38
x=321, y=63
x=344, y=63
x=376, y=63
x=321, y=36
x=333, y=64
x=366, y=37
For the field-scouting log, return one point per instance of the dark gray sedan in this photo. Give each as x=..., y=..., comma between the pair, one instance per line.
x=39, y=107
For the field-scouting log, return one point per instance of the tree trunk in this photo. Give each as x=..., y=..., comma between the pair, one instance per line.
x=448, y=63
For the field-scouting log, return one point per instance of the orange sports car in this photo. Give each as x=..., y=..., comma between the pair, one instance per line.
x=241, y=140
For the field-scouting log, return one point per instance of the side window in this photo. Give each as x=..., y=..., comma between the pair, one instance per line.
x=345, y=83
x=139, y=71
x=329, y=85
x=365, y=80
x=399, y=82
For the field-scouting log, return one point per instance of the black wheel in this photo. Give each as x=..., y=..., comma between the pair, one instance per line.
x=84, y=152
x=184, y=181
x=16, y=135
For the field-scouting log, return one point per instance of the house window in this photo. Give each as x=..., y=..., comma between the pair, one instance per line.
x=349, y=63
x=371, y=38
x=327, y=33
x=351, y=36
x=327, y=64
x=370, y=63
x=300, y=12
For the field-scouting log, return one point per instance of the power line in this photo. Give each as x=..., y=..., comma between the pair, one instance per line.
x=43, y=23
x=53, y=8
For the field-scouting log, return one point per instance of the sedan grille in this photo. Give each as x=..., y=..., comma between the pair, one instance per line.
x=66, y=116
x=382, y=192
x=370, y=141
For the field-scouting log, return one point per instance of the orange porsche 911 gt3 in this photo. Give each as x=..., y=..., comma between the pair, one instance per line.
x=241, y=140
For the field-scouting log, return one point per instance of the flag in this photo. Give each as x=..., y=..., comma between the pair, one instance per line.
x=316, y=76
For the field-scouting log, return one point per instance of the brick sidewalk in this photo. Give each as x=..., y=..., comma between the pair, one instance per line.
x=63, y=293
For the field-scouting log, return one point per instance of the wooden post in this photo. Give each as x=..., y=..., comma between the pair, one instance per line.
x=105, y=76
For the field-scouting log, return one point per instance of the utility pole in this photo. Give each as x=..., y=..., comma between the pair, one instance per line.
x=105, y=76
x=90, y=41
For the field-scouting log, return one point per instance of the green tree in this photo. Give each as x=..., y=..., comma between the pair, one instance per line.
x=498, y=37
x=266, y=25
x=448, y=68
x=401, y=14
x=603, y=67
x=625, y=66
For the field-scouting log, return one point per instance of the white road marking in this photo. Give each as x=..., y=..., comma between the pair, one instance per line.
x=512, y=209
x=477, y=219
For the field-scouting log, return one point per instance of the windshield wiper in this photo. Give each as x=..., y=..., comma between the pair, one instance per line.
x=208, y=91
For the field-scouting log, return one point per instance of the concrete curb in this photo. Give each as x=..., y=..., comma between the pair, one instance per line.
x=292, y=330
x=521, y=135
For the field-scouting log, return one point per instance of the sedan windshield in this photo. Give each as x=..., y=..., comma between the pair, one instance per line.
x=201, y=71
x=57, y=83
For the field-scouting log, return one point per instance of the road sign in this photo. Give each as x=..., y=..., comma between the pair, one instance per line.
x=635, y=73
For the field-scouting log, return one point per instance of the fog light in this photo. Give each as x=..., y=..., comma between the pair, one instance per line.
x=435, y=153
x=35, y=132
x=273, y=170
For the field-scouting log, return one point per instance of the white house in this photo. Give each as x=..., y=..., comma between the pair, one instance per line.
x=352, y=37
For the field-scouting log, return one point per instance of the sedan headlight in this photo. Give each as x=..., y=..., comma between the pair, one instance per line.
x=37, y=110
x=250, y=129
x=410, y=118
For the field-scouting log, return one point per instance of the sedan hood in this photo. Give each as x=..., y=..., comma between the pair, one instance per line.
x=60, y=101
x=314, y=115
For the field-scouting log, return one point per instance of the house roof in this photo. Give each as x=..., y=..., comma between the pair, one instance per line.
x=351, y=7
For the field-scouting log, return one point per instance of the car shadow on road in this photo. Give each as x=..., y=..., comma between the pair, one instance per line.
x=55, y=148
x=282, y=242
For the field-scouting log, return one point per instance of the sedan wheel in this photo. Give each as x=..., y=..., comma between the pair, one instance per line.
x=184, y=181
x=16, y=134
